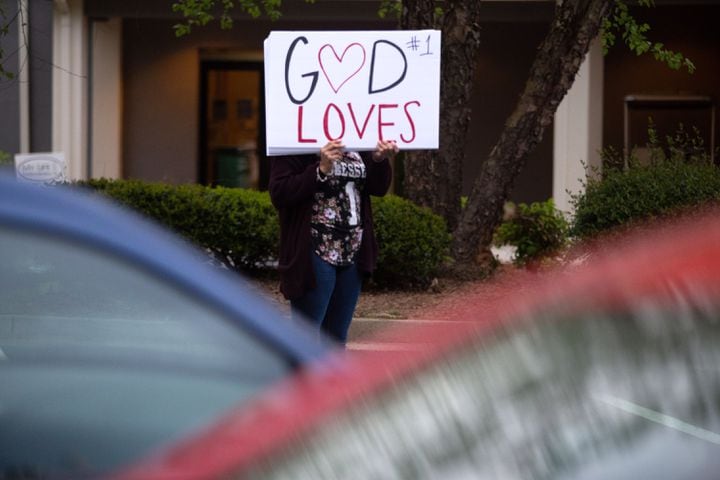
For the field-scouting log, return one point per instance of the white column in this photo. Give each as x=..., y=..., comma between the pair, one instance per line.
x=578, y=129
x=106, y=117
x=24, y=75
x=69, y=117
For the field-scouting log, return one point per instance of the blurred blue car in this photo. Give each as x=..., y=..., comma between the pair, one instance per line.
x=118, y=338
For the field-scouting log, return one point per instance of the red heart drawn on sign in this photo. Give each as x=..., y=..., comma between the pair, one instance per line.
x=339, y=68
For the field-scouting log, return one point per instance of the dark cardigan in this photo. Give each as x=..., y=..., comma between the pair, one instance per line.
x=293, y=183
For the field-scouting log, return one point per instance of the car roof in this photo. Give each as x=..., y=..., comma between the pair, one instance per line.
x=86, y=216
x=688, y=251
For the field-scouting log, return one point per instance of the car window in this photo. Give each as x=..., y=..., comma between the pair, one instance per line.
x=103, y=362
x=62, y=297
x=589, y=393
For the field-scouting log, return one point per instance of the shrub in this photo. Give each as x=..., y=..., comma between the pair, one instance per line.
x=240, y=227
x=536, y=230
x=6, y=163
x=414, y=243
x=237, y=226
x=676, y=175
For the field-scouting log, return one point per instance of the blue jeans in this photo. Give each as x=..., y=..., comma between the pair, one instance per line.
x=331, y=304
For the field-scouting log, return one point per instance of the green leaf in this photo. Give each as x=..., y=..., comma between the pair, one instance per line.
x=621, y=22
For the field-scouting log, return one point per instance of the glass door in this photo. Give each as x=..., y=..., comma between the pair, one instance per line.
x=232, y=125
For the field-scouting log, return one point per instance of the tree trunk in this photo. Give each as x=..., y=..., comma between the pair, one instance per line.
x=434, y=178
x=575, y=25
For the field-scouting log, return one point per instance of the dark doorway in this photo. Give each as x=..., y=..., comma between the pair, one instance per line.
x=232, y=125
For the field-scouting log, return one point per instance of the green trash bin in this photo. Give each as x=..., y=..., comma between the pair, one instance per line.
x=232, y=168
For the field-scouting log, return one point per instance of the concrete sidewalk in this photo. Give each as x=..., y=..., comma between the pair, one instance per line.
x=362, y=335
x=452, y=308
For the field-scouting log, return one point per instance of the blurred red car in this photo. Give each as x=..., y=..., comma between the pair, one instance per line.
x=605, y=370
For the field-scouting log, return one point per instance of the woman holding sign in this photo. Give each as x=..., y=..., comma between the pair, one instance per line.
x=327, y=240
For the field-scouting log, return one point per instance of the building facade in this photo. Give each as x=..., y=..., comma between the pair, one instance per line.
x=107, y=83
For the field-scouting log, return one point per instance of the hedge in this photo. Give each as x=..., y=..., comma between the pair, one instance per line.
x=537, y=230
x=413, y=241
x=677, y=173
x=642, y=192
x=240, y=227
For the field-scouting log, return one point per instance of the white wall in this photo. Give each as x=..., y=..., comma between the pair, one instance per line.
x=70, y=86
x=24, y=76
x=578, y=129
x=106, y=98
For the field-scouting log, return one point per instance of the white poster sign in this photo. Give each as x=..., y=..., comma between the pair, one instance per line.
x=358, y=86
x=47, y=168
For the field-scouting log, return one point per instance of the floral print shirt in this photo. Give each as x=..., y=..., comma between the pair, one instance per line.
x=336, y=226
